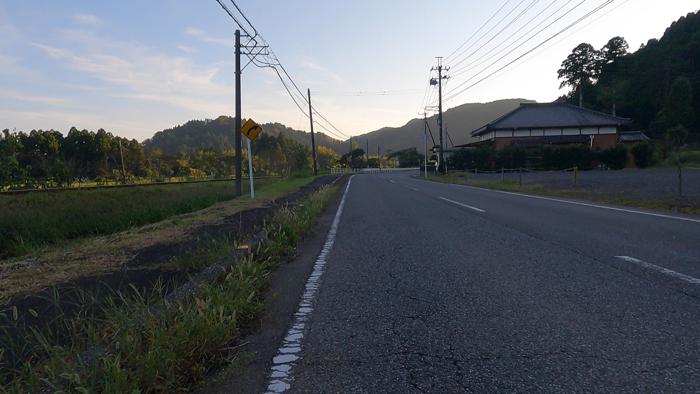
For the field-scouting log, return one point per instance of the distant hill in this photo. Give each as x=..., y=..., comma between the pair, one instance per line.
x=459, y=122
x=218, y=135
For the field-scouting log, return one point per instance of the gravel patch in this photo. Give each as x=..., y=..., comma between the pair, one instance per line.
x=657, y=183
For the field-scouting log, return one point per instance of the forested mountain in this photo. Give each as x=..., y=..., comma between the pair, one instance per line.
x=639, y=83
x=218, y=135
x=459, y=122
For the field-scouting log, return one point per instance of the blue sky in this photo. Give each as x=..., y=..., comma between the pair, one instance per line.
x=136, y=67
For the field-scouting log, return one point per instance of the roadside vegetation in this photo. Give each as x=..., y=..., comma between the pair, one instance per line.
x=94, y=256
x=122, y=343
x=669, y=204
x=30, y=221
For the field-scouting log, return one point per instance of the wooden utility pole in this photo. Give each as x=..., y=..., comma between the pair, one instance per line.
x=425, y=140
x=313, y=139
x=367, y=155
x=440, y=68
x=121, y=155
x=239, y=142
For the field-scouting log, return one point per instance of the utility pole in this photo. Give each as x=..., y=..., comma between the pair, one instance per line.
x=379, y=159
x=239, y=150
x=121, y=155
x=440, y=68
x=313, y=139
x=425, y=140
x=367, y=155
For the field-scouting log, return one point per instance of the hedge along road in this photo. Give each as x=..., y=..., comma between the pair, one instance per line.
x=422, y=292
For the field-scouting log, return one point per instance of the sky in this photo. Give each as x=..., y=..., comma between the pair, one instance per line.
x=135, y=67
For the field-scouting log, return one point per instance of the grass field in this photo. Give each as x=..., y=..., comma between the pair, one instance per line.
x=30, y=221
x=122, y=345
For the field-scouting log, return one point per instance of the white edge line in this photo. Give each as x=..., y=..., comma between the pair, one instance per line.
x=281, y=377
x=666, y=271
x=463, y=205
x=660, y=215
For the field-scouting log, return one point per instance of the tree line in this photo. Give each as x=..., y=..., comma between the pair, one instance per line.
x=653, y=86
x=47, y=158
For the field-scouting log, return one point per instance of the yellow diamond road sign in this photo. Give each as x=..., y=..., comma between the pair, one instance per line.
x=251, y=129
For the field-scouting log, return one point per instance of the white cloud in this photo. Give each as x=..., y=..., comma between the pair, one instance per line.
x=46, y=100
x=88, y=20
x=141, y=73
x=204, y=37
x=186, y=49
x=319, y=69
x=53, y=52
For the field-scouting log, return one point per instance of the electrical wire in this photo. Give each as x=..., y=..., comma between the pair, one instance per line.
x=478, y=30
x=509, y=24
x=484, y=58
x=584, y=17
x=490, y=30
x=272, y=61
x=520, y=45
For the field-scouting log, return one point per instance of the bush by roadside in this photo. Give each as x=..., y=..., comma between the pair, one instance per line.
x=643, y=153
x=613, y=158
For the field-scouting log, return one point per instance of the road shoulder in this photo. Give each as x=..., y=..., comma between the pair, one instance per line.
x=281, y=299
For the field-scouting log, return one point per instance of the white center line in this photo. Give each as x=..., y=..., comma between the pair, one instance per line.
x=392, y=181
x=665, y=271
x=462, y=205
x=414, y=189
x=586, y=204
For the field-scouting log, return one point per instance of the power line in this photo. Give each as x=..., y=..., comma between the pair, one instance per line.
x=362, y=93
x=586, y=16
x=274, y=63
x=484, y=57
x=478, y=30
x=509, y=24
x=294, y=99
x=520, y=45
x=465, y=50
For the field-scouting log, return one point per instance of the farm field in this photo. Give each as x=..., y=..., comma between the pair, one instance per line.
x=176, y=233
x=68, y=297
x=33, y=220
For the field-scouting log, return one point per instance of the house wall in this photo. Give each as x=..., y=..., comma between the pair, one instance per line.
x=604, y=141
x=603, y=137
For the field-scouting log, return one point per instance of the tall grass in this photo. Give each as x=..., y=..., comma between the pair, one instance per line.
x=130, y=347
x=30, y=221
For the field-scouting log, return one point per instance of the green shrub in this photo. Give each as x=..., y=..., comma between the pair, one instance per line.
x=566, y=156
x=643, y=154
x=614, y=158
x=465, y=159
x=691, y=158
x=511, y=157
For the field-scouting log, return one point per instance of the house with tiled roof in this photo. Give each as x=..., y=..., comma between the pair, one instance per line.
x=534, y=124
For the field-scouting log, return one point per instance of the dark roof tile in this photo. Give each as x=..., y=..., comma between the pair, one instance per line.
x=550, y=115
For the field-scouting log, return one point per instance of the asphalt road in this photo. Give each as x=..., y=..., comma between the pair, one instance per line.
x=442, y=288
